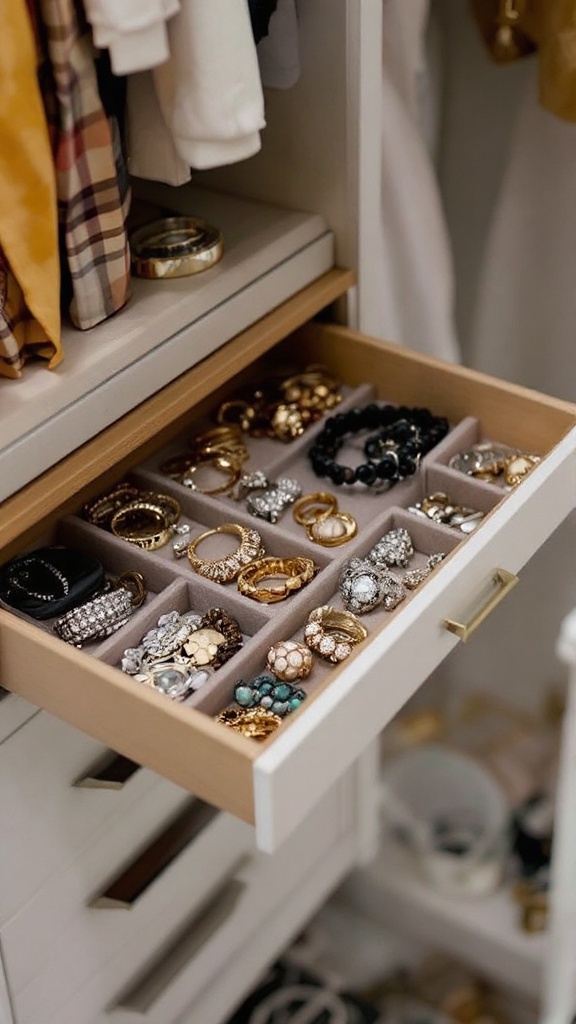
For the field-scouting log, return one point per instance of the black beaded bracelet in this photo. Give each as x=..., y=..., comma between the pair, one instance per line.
x=403, y=435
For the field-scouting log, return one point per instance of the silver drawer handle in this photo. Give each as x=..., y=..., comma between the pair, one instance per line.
x=132, y=883
x=504, y=581
x=113, y=774
x=204, y=924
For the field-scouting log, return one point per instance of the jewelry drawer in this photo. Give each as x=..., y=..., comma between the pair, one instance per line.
x=140, y=942
x=60, y=790
x=277, y=783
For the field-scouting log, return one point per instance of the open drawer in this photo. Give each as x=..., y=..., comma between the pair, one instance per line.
x=277, y=783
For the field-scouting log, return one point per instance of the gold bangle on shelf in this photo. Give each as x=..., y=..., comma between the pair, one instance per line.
x=175, y=247
x=142, y=523
x=332, y=634
x=295, y=573
x=226, y=568
x=255, y=723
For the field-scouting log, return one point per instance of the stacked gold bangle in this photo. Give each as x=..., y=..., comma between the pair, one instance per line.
x=145, y=518
x=220, y=449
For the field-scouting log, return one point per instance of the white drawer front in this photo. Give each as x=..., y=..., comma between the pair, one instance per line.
x=148, y=963
x=49, y=817
x=290, y=777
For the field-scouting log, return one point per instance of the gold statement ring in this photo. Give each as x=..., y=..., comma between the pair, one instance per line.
x=142, y=523
x=295, y=573
x=226, y=568
x=255, y=723
x=332, y=634
x=324, y=522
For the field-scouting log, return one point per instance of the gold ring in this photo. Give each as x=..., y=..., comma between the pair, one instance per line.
x=224, y=569
x=256, y=723
x=222, y=464
x=332, y=530
x=296, y=571
x=311, y=507
x=332, y=634
x=142, y=523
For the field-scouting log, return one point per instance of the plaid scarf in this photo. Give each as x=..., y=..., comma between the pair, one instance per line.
x=93, y=193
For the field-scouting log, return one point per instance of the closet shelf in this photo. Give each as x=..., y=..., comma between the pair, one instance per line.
x=482, y=933
x=166, y=328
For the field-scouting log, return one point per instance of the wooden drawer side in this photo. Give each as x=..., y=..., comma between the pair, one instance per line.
x=132, y=439
x=179, y=743
x=508, y=412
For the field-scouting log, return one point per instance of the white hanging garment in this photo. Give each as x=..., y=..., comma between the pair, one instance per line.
x=134, y=31
x=208, y=96
x=151, y=152
x=279, y=51
x=414, y=255
x=209, y=91
x=526, y=300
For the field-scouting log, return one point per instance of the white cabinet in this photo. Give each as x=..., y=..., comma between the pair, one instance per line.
x=308, y=201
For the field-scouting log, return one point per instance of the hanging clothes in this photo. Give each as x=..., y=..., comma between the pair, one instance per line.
x=414, y=257
x=133, y=31
x=260, y=13
x=279, y=49
x=208, y=95
x=92, y=199
x=526, y=298
x=29, y=263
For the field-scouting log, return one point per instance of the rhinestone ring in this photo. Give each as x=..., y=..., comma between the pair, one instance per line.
x=333, y=634
x=364, y=587
x=394, y=548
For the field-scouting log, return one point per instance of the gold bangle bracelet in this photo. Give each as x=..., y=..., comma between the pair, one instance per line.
x=297, y=571
x=142, y=523
x=224, y=569
x=222, y=464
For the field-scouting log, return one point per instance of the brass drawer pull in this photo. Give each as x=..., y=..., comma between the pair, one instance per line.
x=505, y=581
x=206, y=921
x=129, y=886
x=113, y=774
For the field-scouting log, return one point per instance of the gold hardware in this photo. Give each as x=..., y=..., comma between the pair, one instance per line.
x=505, y=582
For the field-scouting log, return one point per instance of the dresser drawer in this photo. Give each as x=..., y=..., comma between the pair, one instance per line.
x=59, y=789
x=276, y=784
x=140, y=945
